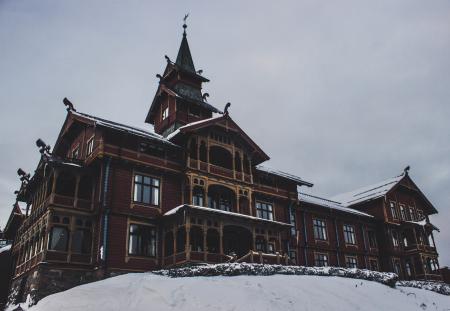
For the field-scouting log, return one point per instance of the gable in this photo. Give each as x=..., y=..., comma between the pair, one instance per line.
x=225, y=123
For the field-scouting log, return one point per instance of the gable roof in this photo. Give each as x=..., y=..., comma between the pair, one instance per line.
x=368, y=193
x=315, y=200
x=218, y=120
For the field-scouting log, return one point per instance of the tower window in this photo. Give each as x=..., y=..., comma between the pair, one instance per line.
x=165, y=113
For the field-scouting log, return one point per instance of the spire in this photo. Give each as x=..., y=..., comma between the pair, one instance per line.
x=184, y=58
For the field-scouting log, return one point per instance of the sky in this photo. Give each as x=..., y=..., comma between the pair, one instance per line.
x=342, y=93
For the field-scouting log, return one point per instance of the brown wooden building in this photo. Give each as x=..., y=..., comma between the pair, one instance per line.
x=111, y=198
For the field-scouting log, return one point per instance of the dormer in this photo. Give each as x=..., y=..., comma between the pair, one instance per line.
x=179, y=99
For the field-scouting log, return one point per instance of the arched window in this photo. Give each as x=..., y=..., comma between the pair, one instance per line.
x=220, y=157
x=203, y=152
x=168, y=244
x=196, y=239
x=237, y=162
x=65, y=184
x=212, y=241
x=220, y=197
x=198, y=196
x=181, y=240
x=85, y=188
x=193, y=149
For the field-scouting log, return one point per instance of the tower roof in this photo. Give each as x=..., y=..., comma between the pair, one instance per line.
x=184, y=57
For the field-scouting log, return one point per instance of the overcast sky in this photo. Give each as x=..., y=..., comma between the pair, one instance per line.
x=341, y=93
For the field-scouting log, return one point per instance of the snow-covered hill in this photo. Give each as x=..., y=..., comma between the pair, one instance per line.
x=148, y=291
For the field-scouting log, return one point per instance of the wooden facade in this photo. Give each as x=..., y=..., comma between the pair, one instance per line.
x=111, y=198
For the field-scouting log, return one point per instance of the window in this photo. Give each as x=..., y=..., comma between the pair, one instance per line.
x=395, y=239
x=349, y=234
x=292, y=221
x=142, y=241
x=264, y=210
x=393, y=211
x=373, y=264
x=271, y=248
x=396, y=264
x=321, y=260
x=146, y=190
x=412, y=215
x=90, y=146
x=76, y=153
x=293, y=256
x=320, y=229
x=59, y=237
x=351, y=262
x=197, y=197
x=372, y=239
x=403, y=212
x=81, y=237
x=165, y=113
x=260, y=245
x=408, y=268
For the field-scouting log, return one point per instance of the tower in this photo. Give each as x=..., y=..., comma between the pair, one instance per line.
x=179, y=99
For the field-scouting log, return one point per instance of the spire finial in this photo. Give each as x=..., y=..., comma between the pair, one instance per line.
x=184, y=24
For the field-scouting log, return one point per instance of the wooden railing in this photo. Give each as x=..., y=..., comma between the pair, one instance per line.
x=264, y=258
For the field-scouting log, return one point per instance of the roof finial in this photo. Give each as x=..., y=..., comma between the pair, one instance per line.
x=406, y=170
x=184, y=24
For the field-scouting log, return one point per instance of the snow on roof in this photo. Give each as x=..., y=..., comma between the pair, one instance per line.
x=283, y=174
x=177, y=131
x=5, y=248
x=367, y=193
x=308, y=198
x=213, y=210
x=123, y=127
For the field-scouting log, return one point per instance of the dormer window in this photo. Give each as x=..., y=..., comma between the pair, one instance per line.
x=165, y=113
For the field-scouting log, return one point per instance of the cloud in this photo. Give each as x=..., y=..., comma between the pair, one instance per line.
x=341, y=93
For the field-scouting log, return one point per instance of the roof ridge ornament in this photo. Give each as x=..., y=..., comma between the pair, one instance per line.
x=406, y=170
x=68, y=104
x=225, y=111
x=184, y=24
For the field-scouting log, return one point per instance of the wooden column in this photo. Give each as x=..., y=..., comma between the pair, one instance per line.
x=221, y=238
x=77, y=186
x=174, y=231
x=205, y=250
x=188, y=241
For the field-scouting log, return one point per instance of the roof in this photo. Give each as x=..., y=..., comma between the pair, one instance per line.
x=368, y=193
x=308, y=198
x=218, y=211
x=291, y=177
x=260, y=155
x=184, y=58
x=122, y=127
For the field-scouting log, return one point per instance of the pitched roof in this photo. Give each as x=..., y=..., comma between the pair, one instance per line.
x=184, y=57
x=368, y=193
x=215, y=120
x=291, y=177
x=122, y=127
x=312, y=199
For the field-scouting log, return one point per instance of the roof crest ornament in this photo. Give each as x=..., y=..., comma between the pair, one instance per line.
x=184, y=23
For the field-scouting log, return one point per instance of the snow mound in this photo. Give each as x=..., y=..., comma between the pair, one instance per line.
x=148, y=291
x=440, y=288
x=233, y=269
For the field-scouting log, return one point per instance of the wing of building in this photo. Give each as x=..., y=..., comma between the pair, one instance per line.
x=111, y=198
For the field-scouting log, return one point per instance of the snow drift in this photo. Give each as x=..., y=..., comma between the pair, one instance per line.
x=257, y=288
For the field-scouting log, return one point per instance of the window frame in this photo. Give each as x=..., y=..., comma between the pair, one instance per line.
x=152, y=235
x=50, y=239
x=349, y=235
x=321, y=258
x=165, y=113
x=90, y=146
x=151, y=187
x=324, y=230
x=349, y=261
x=393, y=208
x=262, y=210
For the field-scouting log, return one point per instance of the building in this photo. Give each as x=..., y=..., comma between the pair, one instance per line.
x=111, y=198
